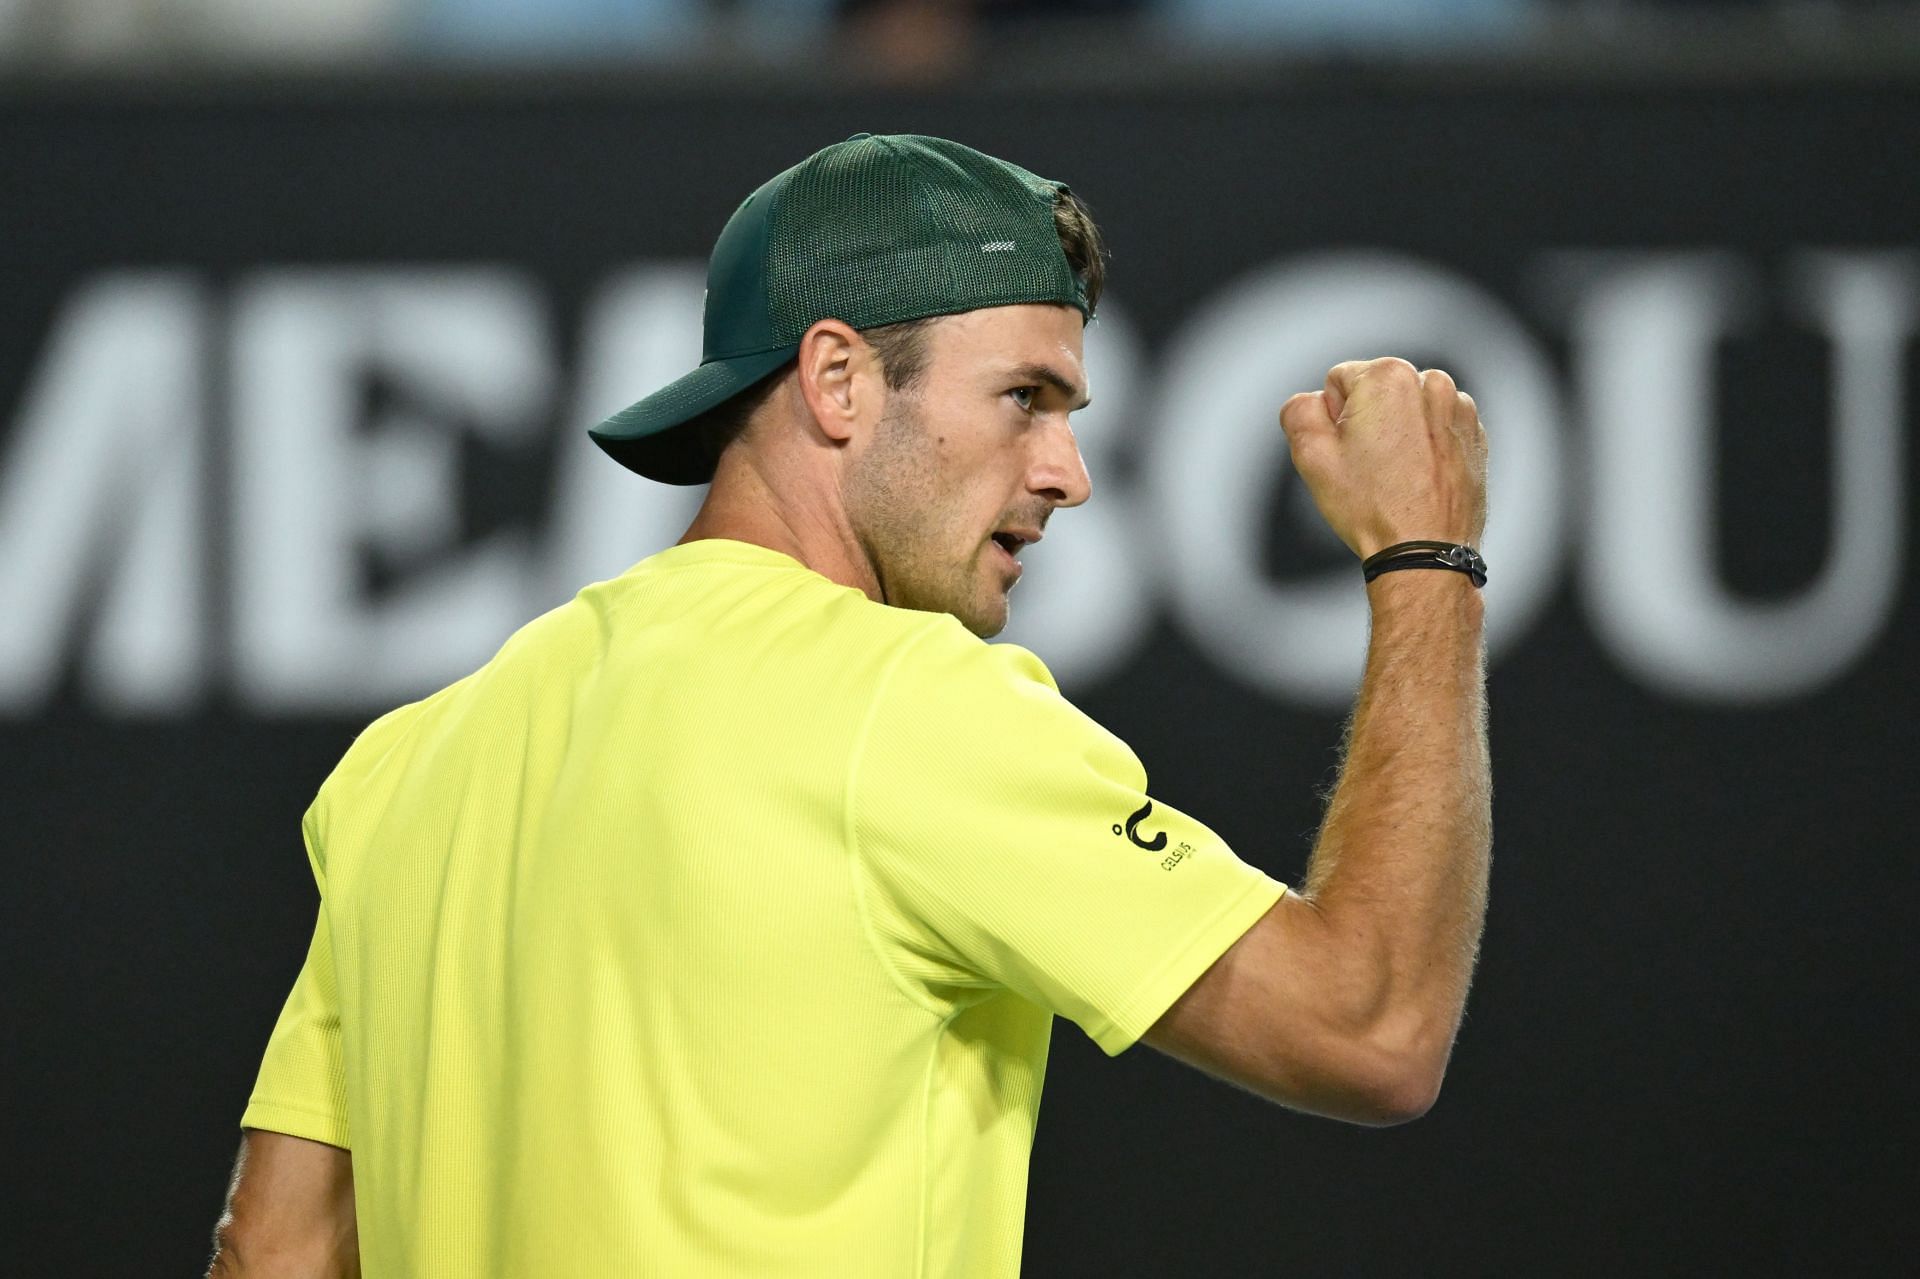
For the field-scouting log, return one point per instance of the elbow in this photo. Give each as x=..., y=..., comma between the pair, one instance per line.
x=1395, y=1074
x=1366, y=1085
x=1385, y=1100
x=1405, y=1099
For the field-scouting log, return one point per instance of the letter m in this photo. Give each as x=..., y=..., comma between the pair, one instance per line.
x=100, y=501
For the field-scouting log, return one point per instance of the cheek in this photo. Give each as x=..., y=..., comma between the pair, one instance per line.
x=953, y=504
x=947, y=485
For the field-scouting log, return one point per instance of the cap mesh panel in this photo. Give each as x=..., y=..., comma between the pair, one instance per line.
x=877, y=230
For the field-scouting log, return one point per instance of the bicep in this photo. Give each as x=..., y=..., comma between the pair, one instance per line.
x=1275, y=1014
x=289, y=1210
x=1046, y=870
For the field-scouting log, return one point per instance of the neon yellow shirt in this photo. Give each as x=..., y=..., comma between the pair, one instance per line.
x=716, y=927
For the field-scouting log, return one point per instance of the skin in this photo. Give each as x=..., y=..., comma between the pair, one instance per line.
x=289, y=1212
x=898, y=493
x=1344, y=999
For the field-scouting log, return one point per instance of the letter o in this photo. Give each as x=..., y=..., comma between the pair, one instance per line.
x=1217, y=456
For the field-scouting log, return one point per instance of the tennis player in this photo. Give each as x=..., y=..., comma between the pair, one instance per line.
x=717, y=925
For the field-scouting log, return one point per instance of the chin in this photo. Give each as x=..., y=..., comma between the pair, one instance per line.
x=985, y=622
x=982, y=609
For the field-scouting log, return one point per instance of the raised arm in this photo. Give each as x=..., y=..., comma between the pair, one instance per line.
x=1345, y=998
x=289, y=1212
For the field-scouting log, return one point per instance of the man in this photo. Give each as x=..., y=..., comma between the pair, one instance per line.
x=716, y=926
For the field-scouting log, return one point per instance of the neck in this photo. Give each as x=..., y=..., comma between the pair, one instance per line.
x=743, y=505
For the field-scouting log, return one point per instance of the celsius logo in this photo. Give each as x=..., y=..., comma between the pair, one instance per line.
x=1131, y=830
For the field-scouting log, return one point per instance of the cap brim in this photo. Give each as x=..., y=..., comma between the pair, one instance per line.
x=649, y=437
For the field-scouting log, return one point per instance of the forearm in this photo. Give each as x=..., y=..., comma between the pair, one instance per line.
x=1399, y=873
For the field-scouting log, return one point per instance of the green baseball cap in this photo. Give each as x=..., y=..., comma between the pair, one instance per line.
x=874, y=230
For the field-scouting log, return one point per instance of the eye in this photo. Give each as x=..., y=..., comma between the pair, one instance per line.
x=1024, y=396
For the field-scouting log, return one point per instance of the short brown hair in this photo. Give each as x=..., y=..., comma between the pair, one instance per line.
x=902, y=347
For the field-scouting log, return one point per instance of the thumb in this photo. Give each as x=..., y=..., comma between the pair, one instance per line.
x=1306, y=413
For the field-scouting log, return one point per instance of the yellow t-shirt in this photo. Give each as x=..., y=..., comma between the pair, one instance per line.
x=716, y=927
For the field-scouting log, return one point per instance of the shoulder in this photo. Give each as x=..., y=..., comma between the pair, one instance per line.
x=969, y=703
x=375, y=744
x=938, y=660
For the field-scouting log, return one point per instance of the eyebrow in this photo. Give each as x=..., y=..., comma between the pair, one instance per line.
x=1055, y=379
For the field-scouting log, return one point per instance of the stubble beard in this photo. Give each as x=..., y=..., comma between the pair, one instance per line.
x=909, y=530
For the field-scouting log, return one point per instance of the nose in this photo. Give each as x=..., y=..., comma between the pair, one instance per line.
x=1059, y=473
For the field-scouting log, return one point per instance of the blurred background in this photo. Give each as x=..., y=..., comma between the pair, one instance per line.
x=304, y=311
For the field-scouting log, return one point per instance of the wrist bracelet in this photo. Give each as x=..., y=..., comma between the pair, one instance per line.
x=1448, y=555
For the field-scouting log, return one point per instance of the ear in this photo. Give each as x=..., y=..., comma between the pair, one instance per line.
x=840, y=378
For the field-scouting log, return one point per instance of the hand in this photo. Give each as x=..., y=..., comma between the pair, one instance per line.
x=1391, y=455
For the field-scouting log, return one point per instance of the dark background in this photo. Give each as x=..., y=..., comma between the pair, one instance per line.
x=1689, y=1046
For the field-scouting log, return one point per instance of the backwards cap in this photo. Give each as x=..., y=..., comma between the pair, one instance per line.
x=874, y=230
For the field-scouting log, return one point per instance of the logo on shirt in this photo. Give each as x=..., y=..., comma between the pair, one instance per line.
x=1131, y=830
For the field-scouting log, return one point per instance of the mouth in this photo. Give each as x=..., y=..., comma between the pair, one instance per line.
x=1010, y=542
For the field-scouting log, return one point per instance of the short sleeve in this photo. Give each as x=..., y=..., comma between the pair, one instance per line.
x=302, y=1085
x=1003, y=838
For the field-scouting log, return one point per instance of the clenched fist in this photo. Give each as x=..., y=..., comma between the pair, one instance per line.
x=1391, y=455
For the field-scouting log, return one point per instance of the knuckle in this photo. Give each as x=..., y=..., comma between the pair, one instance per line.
x=1346, y=373
x=1438, y=382
x=1393, y=369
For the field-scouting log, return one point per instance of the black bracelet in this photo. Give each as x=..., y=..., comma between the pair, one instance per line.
x=1449, y=555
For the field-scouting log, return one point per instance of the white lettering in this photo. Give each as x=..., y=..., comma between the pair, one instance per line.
x=363, y=571
x=1645, y=336
x=429, y=355
x=107, y=465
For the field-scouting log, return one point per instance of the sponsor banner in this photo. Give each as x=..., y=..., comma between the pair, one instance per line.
x=293, y=398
